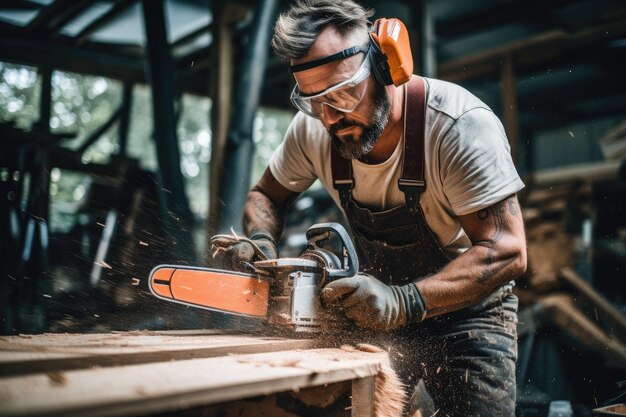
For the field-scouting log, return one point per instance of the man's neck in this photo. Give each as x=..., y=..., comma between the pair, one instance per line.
x=389, y=138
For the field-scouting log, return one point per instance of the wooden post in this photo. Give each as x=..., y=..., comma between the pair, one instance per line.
x=363, y=390
x=510, y=106
x=225, y=15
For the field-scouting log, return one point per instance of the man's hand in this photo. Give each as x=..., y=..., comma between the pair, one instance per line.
x=373, y=304
x=236, y=256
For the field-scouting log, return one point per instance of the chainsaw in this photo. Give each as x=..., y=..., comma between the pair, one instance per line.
x=283, y=291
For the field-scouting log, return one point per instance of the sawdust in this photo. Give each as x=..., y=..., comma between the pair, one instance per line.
x=390, y=396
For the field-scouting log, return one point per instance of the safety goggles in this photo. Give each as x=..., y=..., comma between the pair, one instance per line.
x=344, y=96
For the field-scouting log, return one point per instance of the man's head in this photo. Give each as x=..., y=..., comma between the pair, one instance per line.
x=315, y=29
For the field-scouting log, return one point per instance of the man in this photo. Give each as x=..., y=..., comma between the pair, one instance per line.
x=435, y=275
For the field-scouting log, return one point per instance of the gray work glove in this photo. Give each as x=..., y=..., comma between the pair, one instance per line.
x=373, y=304
x=236, y=255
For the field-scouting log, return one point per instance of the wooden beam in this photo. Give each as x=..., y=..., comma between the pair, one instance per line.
x=510, y=108
x=543, y=49
x=588, y=172
x=561, y=311
x=533, y=13
x=164, y=386
x=600, y=304
x=221, y=87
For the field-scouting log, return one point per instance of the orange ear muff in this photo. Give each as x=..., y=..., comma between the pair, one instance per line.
x=394, y=63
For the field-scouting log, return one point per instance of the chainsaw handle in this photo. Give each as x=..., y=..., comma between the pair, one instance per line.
x=350, y=260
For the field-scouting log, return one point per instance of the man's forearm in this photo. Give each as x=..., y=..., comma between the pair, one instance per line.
x=498, y=255
x=262, y=215
x=467, y=280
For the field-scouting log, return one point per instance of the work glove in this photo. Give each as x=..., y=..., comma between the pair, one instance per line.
x=238, y=253
x=373, y=304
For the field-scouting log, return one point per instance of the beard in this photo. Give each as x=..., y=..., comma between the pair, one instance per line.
x=356, y=147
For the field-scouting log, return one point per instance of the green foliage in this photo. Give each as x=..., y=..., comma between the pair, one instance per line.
x=83, y=103
x=19, y=95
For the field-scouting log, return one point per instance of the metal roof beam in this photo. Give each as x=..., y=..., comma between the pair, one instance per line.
x=21, y=5
x=45, y=54
x=55, y=16
x=105, y=19
x=191, y=36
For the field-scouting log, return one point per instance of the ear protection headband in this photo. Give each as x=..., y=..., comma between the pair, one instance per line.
x=390, y=52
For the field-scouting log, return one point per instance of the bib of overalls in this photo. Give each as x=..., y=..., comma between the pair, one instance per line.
x=396, y=245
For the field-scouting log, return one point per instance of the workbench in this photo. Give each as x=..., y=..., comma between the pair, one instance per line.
x=182, y=373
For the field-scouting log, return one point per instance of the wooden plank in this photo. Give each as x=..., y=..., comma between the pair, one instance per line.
x=170, y=386
x=508, y=92
x=587, y=172
x=562, y=312
x=602, y=306
x=53, y=352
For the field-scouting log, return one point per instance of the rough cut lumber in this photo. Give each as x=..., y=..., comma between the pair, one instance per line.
x=602, y=306
x=53, y=352
x=170, y=386
x=589, y=172
x=561, y=311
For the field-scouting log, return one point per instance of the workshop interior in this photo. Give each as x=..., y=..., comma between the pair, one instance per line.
x=131, y=132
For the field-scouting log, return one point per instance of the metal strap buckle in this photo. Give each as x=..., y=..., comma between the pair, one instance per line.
x=412, y=190
x=343, y=187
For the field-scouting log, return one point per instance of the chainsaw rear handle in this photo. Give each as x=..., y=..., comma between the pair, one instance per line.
x=350, y=261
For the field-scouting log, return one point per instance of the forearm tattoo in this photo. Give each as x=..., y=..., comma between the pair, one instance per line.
x=261, y=214
x=498, y=215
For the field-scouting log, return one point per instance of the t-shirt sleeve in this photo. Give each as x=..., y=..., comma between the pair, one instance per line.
x=476, y=167
x=290, y=163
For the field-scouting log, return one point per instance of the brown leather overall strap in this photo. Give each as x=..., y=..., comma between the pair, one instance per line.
x=412, y=182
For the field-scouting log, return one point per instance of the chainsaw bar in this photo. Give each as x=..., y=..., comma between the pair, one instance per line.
x=212, y=289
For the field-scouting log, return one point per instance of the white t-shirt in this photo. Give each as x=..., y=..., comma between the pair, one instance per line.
x=468, y=164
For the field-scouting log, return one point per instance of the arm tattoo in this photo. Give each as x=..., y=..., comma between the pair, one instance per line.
x=498, y=212
x=513, y=207
x=261, y=214
x=265, y=210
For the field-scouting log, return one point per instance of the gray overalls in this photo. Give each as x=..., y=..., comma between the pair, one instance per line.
x=466, y=358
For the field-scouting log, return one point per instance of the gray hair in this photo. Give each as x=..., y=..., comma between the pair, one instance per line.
x=298, y=27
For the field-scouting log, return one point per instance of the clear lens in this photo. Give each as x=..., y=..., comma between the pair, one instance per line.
x=344, y=96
